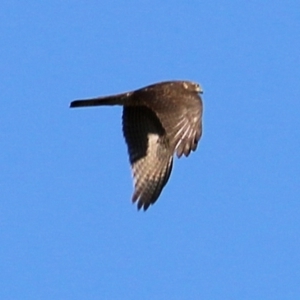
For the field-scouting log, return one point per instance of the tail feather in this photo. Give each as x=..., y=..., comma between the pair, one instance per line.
x=110, y=100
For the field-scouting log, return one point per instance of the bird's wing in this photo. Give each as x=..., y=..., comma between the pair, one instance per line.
x=182, y=121
x=149, y=153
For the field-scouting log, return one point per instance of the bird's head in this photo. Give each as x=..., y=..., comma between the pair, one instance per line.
x=192, y=86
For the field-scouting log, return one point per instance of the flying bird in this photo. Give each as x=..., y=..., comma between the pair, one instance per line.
x=159, y=121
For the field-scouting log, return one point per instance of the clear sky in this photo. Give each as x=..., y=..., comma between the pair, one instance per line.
x=227, y=225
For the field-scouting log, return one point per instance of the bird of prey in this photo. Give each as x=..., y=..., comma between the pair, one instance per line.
x=159, y=120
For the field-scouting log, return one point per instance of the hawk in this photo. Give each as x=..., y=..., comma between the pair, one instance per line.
x=158, y=120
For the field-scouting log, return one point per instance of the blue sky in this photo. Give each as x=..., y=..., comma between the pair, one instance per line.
x=226, y=226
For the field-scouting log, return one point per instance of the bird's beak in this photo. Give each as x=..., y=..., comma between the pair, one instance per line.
x=199, y=89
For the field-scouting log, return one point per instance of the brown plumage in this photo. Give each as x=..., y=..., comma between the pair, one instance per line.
x=158, y=121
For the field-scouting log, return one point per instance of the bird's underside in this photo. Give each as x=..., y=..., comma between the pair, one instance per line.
x=158, y=121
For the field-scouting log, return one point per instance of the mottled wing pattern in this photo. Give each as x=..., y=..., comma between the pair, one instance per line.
x=182, y=121
x=149, y=153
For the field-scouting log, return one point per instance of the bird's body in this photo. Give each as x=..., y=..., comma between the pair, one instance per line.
x=158, y=121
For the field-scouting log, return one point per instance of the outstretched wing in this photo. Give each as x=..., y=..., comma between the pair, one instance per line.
x=181, y=117
x=185, y=129
x=149, y=153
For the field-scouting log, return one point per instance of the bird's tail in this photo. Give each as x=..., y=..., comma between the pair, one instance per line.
x=120, y=99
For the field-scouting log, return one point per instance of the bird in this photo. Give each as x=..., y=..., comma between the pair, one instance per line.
x=159, y=121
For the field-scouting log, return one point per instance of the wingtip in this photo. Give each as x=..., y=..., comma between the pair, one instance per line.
x=140, y=204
